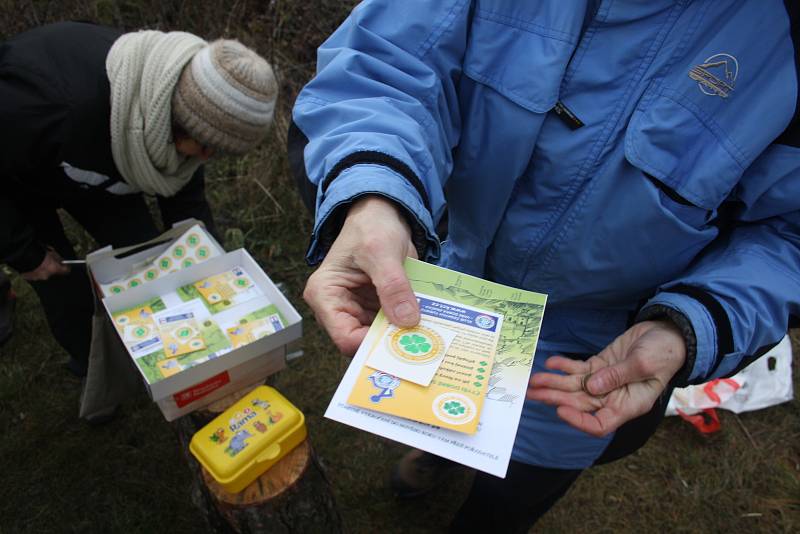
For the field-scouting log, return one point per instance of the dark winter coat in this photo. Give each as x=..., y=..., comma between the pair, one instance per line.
x=55, y=135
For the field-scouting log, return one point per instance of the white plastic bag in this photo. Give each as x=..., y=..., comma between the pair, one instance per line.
x=765, y=382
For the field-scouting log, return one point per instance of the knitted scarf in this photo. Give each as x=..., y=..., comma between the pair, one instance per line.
x=143, y=68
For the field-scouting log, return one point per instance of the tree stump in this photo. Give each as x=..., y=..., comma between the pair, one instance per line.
x=293, y=496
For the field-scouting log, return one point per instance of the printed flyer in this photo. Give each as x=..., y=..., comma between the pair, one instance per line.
x=506, y=379
x=256, y=325
x=459, y=370
x=137, y=327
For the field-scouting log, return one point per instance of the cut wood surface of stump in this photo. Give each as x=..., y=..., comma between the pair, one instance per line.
x=293, y=496
x=271, y=484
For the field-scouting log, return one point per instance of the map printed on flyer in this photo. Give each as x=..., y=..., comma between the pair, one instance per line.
x=454, y=397
x=489, y=448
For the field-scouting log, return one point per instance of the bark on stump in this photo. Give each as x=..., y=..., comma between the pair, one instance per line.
x=293, y=496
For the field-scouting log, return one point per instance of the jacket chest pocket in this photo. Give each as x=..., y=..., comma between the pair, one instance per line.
x=522, y=54
x=698, y=129
x=685, y=154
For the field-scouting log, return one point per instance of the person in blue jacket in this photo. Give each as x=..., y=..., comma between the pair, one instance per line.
x=639, y=162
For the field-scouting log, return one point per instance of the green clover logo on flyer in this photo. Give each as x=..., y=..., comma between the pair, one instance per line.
x=454, y=408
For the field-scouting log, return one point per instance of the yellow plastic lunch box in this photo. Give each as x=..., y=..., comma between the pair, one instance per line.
x=248, y=438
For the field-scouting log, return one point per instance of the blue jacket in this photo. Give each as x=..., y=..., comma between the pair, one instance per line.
x=614, y=155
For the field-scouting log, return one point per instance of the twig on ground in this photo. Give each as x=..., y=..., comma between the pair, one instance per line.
x=746, y=432
x=266, y=192
x=35, y=14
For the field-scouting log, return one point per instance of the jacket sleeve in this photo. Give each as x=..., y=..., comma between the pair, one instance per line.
x=31, y=113
x=381, y=115
x=18, y=245
x=739, y=295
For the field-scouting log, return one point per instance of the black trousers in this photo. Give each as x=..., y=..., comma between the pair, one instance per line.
x=6, y=308
x=117, y=220
x=514, y=504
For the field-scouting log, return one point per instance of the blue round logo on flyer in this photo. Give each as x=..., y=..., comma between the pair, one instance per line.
x=484, y=321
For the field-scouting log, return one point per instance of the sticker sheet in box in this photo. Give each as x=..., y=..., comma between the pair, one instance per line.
x=194, y=246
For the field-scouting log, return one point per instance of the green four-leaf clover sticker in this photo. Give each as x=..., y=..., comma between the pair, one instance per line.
x=415, y=344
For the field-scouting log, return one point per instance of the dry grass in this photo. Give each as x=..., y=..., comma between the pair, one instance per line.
x=59, y=475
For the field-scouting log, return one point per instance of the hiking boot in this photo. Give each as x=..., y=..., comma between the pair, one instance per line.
x=417, y=473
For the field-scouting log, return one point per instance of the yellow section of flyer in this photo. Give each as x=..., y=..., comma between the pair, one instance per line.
x=456, y=393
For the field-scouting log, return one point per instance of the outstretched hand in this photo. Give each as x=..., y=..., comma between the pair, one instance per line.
x=363, y=272
x=618, y=384
x=51, y=266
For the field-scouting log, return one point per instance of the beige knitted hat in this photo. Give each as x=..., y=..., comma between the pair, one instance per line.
x=225, y=97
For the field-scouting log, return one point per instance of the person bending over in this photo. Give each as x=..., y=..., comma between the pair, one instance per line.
x=94, y=120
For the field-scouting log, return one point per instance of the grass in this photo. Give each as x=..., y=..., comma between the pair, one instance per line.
x=61, y=475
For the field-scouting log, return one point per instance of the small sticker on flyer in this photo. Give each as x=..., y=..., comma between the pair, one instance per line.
x=412, y=354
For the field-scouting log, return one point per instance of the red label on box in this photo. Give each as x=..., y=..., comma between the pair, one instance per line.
x=198, y=391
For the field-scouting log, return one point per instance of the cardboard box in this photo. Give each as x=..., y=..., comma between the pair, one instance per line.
x=205, y=382
x=244, y=376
